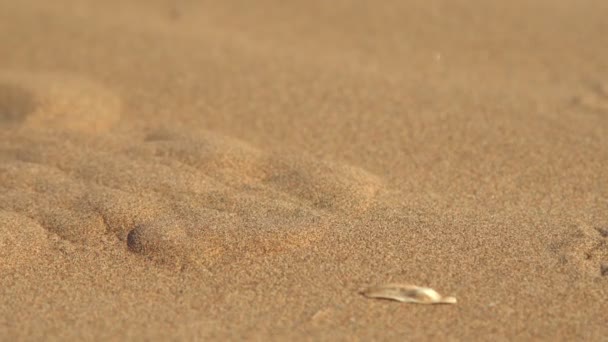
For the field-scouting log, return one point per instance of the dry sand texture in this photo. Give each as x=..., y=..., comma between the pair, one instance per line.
x=227, y=170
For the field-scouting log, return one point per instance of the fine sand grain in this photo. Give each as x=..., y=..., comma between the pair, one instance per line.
x=222, y=170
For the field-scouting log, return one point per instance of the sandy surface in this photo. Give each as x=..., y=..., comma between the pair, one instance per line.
x=223, y=169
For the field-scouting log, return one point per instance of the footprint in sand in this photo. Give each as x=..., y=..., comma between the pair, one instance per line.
x=181, y=200
x=596, y=98
x=56, y=101
x=586, y=249
x=599, y=253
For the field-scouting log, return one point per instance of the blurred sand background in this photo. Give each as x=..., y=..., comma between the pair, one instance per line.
x=234, y=169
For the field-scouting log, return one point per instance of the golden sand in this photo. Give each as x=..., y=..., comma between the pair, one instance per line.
x=227, y=170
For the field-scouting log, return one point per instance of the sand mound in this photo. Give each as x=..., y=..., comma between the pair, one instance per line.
x=187, y=199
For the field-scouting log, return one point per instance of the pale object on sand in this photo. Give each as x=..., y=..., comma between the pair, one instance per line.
x=408, y=294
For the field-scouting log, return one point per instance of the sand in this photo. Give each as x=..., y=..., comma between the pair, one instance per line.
x=223, y=170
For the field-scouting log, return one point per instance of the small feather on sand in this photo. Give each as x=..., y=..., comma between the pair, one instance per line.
x=407, y=294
